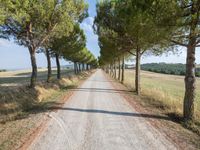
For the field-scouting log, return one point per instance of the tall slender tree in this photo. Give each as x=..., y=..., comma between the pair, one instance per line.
x=184, y=17
x=31, y=23
x=136, y=30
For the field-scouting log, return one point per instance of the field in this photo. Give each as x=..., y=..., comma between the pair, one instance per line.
x=172, y=69
x=15, y=96
x=21, y=77
x=22, y=109
x=165, y=91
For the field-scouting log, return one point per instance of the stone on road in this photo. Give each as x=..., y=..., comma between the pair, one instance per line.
x=96, y=117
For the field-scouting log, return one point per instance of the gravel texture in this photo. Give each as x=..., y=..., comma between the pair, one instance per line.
x=96, y=117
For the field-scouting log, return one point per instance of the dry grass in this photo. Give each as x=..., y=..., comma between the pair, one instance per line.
x=22, y=77
x=164, y=91
x=21, y=108
x=16, y=97
x=163, y=95
x=168, y=125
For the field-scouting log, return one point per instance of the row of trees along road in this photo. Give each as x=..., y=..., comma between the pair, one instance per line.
x=49, y=26
x=129, y=28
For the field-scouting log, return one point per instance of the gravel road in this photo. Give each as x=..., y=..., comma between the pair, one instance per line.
x=96, y=117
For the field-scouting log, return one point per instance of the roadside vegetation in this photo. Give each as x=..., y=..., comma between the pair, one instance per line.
x=51, y=27
x=23, y=109
x=161, y=96
x=133, y=28
x=165, y=92
x=2, y=70
x=174, y=69
x=22, y=77
x=17, y=97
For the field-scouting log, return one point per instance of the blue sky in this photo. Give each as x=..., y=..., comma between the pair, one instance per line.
x=13, y=56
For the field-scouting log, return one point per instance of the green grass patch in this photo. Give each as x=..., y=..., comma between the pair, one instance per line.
x=165, y=92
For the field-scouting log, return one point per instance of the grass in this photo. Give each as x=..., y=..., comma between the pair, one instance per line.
x=2, y=70
x=16, y=97
x=12, y=78
x=165, y=92
x=22, y=108
x=154, y=100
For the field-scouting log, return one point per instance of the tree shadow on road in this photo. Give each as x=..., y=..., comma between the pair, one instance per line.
x=106, y=112
x=103, y=90
x=102, y=81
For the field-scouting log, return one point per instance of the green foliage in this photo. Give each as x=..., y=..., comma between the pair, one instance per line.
x=125, y=27
x=111, y=42
x=3, y=70
x=50, y=24
x=178, y=18
x=73, y=47
x=32, y=22
x=174, y=69
x=138, y=26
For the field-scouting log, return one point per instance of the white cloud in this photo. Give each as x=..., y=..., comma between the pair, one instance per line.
x=87, y=25
x=90, y=20
x=92, y=39
x=4, y=43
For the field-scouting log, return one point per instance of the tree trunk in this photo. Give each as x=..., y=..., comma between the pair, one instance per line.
x=119, y=73
x=113, y=71
x=32, y=51
x=48, y=65
x=77, y=69
x=122, y=79
x=74, y=67
x=188, y=110
x=137, y=72
x=87, y=67
x=79, y=66
x=58, y=67
x=110, y=69
x=83, y=66
x=115, y=74
x=190, y=81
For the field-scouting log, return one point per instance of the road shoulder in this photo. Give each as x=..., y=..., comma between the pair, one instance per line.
x=173, y=131
x=20, y=132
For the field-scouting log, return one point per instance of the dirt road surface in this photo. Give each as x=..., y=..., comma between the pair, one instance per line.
x=96, y=117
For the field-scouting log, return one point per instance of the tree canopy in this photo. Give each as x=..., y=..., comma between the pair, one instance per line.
x=36, y=24
x=135, y=27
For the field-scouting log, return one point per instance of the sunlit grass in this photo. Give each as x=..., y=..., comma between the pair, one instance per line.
x=166, y=89
x=23, y=76
x=22, y=108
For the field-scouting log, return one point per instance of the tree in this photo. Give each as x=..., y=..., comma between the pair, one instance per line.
x=2, y=15
x=31, y=23
x=68, y=46
x=110, y=43
x=186, y=21
x=48, y=53
x=73, y=48
x=134, y=26
x=156, y=26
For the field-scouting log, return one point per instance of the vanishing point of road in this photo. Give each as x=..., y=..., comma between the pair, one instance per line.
x=97, y=117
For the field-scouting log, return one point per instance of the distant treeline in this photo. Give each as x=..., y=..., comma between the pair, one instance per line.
x=175, y=69
x=2, y=70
